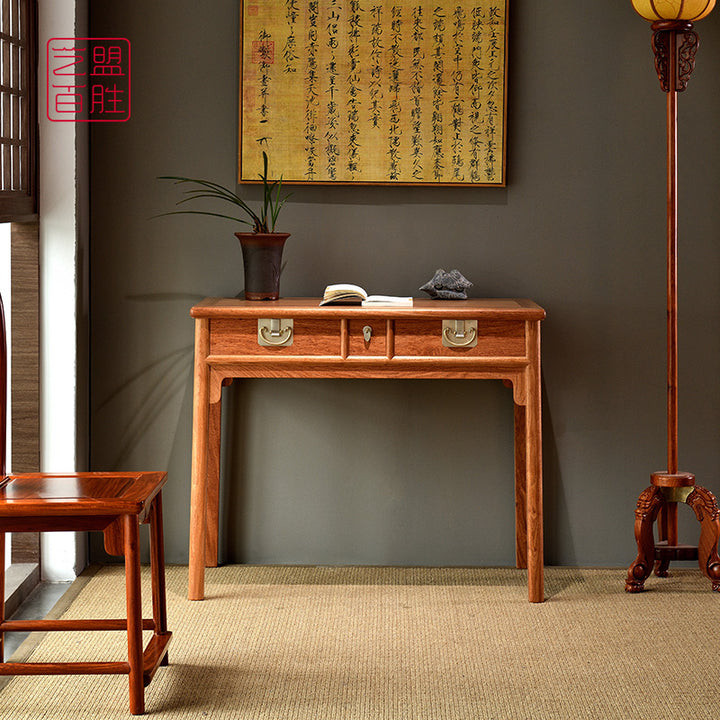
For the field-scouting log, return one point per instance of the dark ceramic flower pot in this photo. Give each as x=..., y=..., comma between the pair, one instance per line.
x=262, y=258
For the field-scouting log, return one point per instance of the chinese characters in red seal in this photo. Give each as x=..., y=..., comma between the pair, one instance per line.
x=88, y=79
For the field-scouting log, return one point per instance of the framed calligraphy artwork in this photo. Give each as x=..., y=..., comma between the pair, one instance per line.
x=399, y=92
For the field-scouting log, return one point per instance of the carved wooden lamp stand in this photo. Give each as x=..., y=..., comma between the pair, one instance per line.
x=674, y=44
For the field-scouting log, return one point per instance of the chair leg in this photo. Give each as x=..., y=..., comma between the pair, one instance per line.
x=157, y=569
x=134, y=614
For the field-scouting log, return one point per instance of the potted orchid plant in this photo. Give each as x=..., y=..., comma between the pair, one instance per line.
x=262, y=247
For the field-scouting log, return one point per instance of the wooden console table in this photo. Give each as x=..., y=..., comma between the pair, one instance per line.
x=295, y=338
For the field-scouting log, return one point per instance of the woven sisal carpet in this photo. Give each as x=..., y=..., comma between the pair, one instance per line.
x=394, y=643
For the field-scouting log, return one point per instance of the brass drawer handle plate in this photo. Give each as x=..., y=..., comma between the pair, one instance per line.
x=459, y=333
x=275, y=332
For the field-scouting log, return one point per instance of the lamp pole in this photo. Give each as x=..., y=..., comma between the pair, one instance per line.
x=672, y=304
x=674, y=45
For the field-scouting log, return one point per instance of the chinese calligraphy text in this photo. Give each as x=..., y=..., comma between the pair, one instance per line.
x=374, y=91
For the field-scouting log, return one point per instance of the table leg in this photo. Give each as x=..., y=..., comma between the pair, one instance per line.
x=212, y=503
x=520, y=488
x=134, y=614
x=533, y=458
x=198, y=490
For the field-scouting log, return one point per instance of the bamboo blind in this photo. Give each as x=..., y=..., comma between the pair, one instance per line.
x=18, y=183
x=17, y=101
x=25, y=367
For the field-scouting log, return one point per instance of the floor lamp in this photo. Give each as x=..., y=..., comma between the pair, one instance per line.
x=674, y=44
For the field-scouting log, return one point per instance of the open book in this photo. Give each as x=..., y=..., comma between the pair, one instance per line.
x=347, y=294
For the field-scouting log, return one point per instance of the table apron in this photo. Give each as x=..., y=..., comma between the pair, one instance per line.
x=513, y=371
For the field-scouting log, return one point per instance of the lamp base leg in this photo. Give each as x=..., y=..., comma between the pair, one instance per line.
x=659, y=555
x=646, y=512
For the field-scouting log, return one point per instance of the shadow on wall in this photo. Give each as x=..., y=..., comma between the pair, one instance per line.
x=556, y=513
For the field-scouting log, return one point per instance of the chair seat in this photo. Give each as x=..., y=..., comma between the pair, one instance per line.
x=91, y=493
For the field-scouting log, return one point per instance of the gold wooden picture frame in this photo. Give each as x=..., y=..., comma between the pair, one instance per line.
x=392, y=92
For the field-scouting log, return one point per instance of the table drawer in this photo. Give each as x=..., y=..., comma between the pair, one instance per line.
x=367, y=343
x=240, y=337
x=495, y=338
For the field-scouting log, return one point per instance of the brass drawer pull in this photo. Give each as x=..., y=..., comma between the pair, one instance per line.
x=275, y=332
x=459, y=333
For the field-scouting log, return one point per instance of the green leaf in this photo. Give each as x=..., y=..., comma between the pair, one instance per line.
x=263, y=220
x=203, y=212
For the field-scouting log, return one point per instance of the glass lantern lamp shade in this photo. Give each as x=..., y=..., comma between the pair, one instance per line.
x=688, y=10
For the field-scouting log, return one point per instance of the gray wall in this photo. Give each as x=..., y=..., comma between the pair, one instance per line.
x=418, y=472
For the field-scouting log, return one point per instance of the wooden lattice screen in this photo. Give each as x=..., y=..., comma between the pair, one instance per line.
x=18, y=61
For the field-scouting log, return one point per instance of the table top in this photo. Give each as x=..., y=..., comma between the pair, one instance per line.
x=519, y=308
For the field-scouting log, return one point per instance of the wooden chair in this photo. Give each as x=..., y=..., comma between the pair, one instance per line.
x=115, y=503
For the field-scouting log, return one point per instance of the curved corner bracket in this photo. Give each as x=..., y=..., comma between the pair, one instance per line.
x=215, y=386
x=519, y=388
